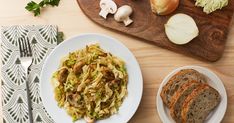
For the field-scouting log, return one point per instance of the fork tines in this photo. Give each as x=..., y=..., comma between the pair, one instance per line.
x=24, y=47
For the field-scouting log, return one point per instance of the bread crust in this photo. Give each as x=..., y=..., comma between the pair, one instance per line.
x=189, y=100
x=176, y=79
x=180, y=95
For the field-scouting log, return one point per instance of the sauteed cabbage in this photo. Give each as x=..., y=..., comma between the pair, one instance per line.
x=90, y=83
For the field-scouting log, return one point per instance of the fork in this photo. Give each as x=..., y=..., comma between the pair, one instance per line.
x=26, y=61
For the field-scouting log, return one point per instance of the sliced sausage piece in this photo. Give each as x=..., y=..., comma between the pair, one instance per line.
x=78, y=67
x=108, y=74
x=62, y=75
x=73, y=99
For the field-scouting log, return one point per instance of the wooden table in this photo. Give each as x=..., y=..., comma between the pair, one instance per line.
x=155, y=62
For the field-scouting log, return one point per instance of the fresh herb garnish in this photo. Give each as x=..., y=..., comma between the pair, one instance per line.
x=36, y=7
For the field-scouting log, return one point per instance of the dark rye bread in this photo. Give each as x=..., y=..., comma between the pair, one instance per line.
x=177, y=80
x=199, y=104
x=179, y=97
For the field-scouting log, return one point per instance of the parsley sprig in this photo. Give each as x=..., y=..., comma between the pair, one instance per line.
x=36, y=7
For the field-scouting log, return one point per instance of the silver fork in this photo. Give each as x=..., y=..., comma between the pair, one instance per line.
x=26, y=61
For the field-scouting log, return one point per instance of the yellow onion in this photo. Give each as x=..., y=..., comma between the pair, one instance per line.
x=164, y=7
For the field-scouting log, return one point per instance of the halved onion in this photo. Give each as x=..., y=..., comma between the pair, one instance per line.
x=181, y=29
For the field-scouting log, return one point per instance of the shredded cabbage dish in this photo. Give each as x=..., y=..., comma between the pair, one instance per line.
x=90, y=83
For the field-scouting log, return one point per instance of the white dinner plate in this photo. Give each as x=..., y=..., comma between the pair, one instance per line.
x=215, y=116
x=134, y=87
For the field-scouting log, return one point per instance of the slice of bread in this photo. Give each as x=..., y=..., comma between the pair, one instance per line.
x=199, y=104
x=179, y=97
x=175, y=82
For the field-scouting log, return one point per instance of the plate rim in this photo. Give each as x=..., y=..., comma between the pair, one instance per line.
x=163, y=116
x=140, y=78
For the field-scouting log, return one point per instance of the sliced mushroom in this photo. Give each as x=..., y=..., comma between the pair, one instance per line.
x=62, y=75
x=107, y=6
x=123, y=13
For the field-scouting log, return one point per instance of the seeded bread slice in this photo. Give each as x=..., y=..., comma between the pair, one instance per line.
x=177, y=80
x=199, y=104
x=179, y=97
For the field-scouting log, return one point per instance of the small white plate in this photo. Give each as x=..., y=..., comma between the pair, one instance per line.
x=215, y=116
x=135, y=83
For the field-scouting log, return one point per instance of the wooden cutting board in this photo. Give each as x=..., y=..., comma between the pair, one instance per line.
x=209, y=45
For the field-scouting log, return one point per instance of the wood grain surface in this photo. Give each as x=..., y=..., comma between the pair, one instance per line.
x=213, y=28
x=155, y=62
